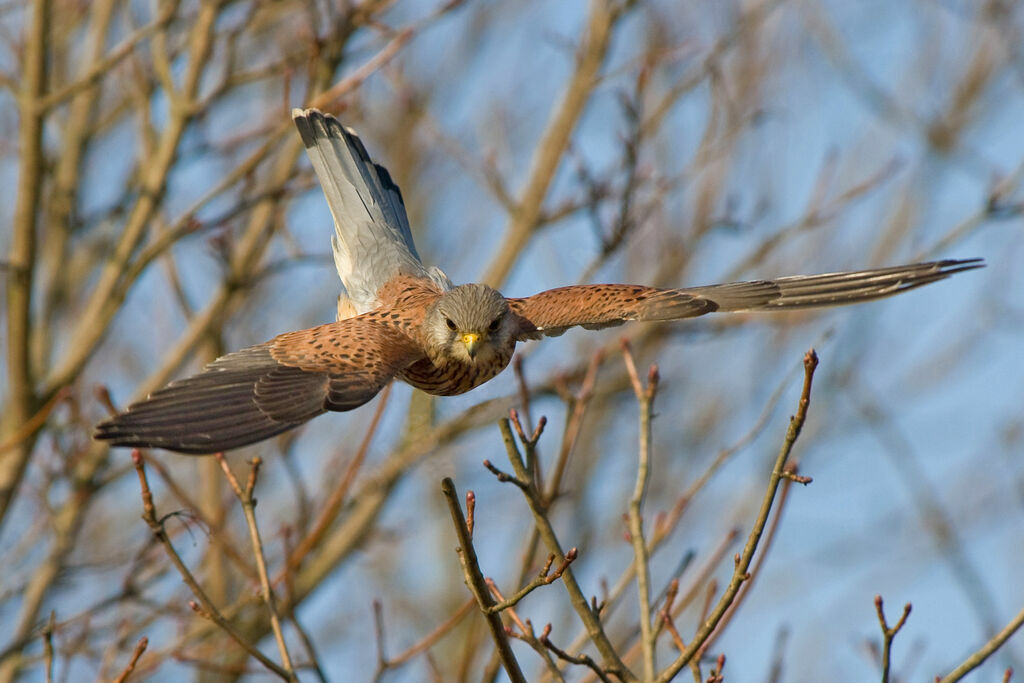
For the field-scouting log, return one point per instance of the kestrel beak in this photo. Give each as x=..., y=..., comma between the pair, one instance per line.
x=472, y=342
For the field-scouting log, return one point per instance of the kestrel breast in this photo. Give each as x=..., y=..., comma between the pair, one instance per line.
x=455, y=377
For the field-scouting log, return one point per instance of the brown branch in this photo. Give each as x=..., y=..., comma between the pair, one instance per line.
x=888, y=634
x=106, y=297
x=581, y=660
x=983, y=653
x=555, y=140
x=332, y=506
x=789, y=474
x=21, y=403
x=477, y=584
x=140, y=647
x=645, y=397
x=35, y=422
x=542, y=579
x=205, y=608
x=740, y=575
x=590, y=618
x=51, y=624
x=663, y=526
x=249, y=509
x=431, y=638
x=527, y=635
x=102, y=66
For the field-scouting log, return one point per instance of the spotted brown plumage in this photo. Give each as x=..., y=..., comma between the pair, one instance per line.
x=400, y=319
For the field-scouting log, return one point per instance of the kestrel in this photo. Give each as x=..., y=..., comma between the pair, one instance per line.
x=403, y=320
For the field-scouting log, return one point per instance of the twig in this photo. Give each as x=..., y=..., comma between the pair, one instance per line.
x=790, y=475
x=51, y=623
x=613, y=664
x=378, y=634
x=542, y=579
x=288, y=577
x=983, y=653
x=334, y=502
x=716, y=671
x=433, y=636
x=249, y=508
x=476, y=583
x=103, y=67
x=140, y=647
x=663, y=526
x=208, y=609
x=530, y=445
x=470, y=511
x=555, y=140
x=523, y=388
x=645, y=397
x=779, y=650
x=582, y=660
x=888, y=634
x=356, y=78
x=526, y=635
x=573, y=427
x=665, y=615
x=34, y=423
x=740, y=574
x=105, y=298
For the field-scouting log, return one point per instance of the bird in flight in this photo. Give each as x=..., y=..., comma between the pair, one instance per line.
x=400, y=319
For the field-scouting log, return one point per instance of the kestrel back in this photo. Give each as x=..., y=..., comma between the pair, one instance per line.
x=404, y=321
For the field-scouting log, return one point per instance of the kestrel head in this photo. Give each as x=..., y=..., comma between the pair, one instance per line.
x=470, y=324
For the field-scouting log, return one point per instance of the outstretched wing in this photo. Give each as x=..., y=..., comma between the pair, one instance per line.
x=261, y=391
x=372, y=240
x=595, y=306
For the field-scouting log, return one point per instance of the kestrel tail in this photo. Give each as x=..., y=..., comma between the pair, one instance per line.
x=400, y=319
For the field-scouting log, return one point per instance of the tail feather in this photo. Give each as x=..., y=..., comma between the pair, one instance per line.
x=372, y=239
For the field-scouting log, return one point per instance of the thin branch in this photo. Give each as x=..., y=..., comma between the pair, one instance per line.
x=477, y=584
x=431, y=638
x=249, y=508
x=645, y=397
x=740, y=574
x=51, y=624
x=582, y=660
x=140, y=647
x=542, y=579
x=332, y=506
x=613, y=664
x=888, y=634
x=207, y=608
x=109, y=291
x=525, y=634
x=983, y=653
x=102, y=67
x=555, y=140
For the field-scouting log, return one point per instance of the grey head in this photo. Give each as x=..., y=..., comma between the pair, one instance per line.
x=469, y=324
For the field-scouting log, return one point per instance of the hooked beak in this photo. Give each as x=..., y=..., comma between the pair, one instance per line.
x=472, y=342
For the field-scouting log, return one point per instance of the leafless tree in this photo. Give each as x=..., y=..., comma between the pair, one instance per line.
x=626, y=524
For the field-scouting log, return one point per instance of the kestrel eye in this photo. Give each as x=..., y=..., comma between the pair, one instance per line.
x=493, y=327
x=449, y=323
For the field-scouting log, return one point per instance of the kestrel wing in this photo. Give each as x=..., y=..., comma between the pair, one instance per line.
x=552, y=312
x=594, y=306
x=261, y=391
x=372, y=240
